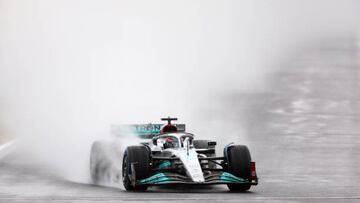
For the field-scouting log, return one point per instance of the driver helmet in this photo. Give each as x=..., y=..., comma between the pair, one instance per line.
x=170, y=143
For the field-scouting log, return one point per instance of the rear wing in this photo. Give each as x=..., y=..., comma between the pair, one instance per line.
x=146, y=131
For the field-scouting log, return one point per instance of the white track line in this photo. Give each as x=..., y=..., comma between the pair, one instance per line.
x=4, y=148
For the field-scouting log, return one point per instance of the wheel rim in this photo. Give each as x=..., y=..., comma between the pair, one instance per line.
x=124, y=168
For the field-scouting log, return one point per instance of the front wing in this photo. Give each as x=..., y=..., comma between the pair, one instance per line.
x=163, y=178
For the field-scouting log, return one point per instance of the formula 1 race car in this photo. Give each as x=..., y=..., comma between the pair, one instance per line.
x=173, y=156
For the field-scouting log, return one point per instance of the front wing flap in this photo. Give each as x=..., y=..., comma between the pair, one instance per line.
x=163, y=178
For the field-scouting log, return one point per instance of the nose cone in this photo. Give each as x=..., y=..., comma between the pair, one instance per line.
x=192, y=165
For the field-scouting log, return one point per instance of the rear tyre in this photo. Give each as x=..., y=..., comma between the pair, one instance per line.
x=99, y=164
x=203, y=144
x=139, y=156
x=104, y=163
x=238, y=159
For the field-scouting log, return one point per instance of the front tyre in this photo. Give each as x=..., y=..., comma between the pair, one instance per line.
x=238, y=159
x=139, y=158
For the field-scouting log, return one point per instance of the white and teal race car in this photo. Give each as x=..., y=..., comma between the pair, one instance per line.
x=173, y=156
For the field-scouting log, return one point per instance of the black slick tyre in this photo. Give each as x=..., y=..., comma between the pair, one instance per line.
x=99, y=164
x=139, y=157
x=238, y=160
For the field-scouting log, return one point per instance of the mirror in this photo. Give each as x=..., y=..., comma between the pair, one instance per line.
x=160, y=143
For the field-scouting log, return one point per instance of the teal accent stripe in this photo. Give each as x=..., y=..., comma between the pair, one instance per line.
x=164, y=165
x=159, y=177
x=230, y=178
x=146, y=129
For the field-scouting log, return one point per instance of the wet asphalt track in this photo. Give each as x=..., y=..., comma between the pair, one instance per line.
x=304, y=133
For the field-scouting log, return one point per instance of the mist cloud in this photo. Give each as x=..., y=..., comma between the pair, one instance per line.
x=69, y=69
